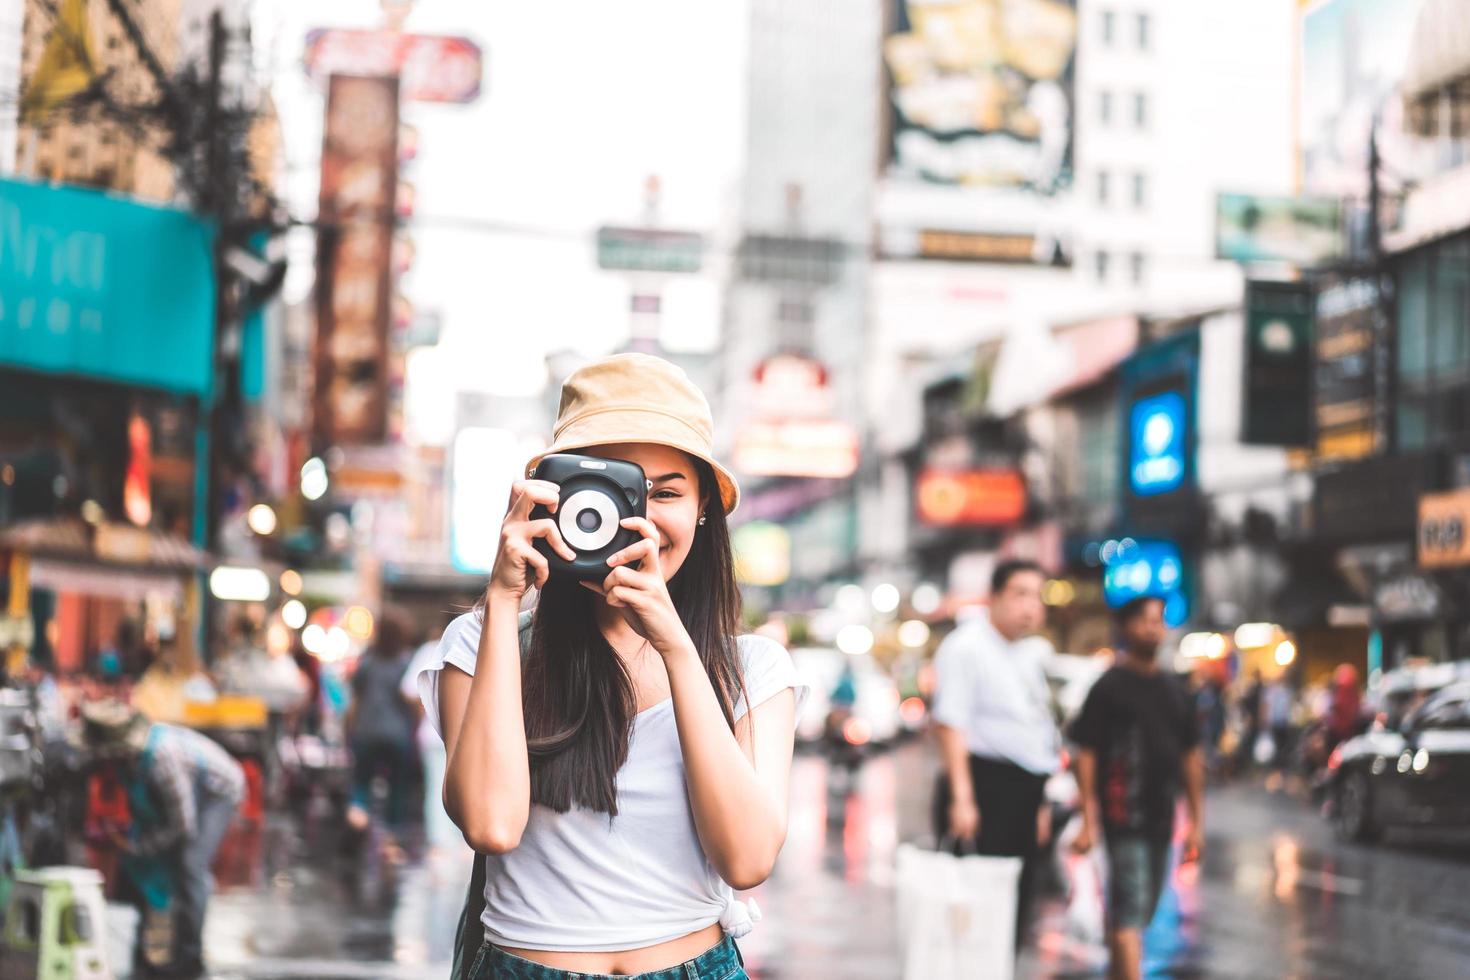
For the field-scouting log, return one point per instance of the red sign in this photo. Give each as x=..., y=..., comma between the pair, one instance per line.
x=354, y=255
x=429, y=68
x=791, y=386
x=970, y=498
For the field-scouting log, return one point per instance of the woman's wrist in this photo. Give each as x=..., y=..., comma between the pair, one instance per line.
x=499, y=601
x=680, y=649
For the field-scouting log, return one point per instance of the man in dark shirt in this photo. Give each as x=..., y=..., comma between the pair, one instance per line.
x=1138, y=741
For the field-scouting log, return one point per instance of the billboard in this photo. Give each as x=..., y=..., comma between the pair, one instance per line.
x=1302, y=231
x=970, y=498
x=980, y=96
x=429, y=68
x=354, y=259
x=1353, y=57
x=1156, y=443
x=1444, y=519
x=79, y=296
x=1278, y=364
x=1159, y=437
x=1350, y=344
x=981, y=91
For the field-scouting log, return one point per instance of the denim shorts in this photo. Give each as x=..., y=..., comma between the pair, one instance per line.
x=1136, y=870
x=721, y=961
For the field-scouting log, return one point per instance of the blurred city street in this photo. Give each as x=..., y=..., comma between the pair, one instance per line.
x=1063, y=406
x=1284, y=899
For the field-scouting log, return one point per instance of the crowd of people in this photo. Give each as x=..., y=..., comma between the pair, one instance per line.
x=148, y=789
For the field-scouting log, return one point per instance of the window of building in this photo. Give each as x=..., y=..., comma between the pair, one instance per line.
x=1140, y=190
x=1103, y=187
x=1137, y=267
x=1434, y=346
x=1140, y=110
x=1144, y=29
x=1109, y=26
x=1105, y=107
x=1100, y=265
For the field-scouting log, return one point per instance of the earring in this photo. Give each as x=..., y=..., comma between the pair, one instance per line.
x=702, y=519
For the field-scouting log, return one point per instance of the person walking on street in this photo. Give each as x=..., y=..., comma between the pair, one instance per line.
x=187, y=789
x=1138, y=741
x=380, y=724
x=1276, y=705
x=998, y=740
x=1249, y=708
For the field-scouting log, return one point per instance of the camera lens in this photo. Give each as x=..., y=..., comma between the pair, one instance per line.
x=588, y=520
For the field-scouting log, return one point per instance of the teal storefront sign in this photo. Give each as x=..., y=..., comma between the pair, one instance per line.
x=101, y=287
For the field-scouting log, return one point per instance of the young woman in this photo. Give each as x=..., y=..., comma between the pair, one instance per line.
x=631, y=771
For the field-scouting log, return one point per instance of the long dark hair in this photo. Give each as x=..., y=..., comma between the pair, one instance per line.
x=578, y=699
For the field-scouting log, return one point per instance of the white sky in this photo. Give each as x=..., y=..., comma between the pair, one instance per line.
x=581, y=100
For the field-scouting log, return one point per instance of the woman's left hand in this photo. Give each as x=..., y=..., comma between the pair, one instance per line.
x=641, y=593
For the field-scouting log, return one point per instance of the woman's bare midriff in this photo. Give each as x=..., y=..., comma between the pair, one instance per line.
x=627, y=962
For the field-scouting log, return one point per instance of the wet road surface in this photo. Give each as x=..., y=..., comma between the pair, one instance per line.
x=1276, y=896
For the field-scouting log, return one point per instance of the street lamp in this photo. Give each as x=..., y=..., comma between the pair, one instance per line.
x=262, y=520
x=885, y=598
x=314, y=478
x=854, y=640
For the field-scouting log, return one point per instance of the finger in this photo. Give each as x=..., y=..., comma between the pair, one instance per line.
x=643, y=526
x=642, y=550
x=536, y=566
x=593, y=587
x=626, y=577
x=622, y=595
x=547, y=529
x=528, y=493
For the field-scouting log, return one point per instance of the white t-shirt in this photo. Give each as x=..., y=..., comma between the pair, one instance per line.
x=582, y=881
x=995, y=692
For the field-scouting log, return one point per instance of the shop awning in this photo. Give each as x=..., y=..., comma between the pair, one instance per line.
x=106, y=544
x=1436, y=85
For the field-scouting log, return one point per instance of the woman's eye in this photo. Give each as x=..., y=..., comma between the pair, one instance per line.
x=666, y=495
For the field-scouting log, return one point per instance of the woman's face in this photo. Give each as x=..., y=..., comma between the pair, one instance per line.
x=674, y=503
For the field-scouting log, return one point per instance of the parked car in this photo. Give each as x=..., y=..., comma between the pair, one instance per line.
x=1415, y=773
x=876, y=704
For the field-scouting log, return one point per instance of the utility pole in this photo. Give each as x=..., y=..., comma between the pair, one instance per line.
x=1385, y=359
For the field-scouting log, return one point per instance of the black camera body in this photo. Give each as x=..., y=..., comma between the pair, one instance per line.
x=597, y=495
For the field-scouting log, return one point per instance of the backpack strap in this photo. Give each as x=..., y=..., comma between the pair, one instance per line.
x=469, y=936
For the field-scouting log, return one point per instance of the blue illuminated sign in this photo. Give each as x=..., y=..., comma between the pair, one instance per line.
x=1145, y=568
x=1156, y=445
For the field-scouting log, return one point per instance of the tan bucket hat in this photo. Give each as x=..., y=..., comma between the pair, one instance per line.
x=637, y=398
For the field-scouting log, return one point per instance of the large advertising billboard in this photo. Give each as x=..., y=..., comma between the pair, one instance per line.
x=354, y=253
x=980, y=96
x=1353, y=57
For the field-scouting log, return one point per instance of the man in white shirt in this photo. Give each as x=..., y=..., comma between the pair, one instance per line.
x=998, y=740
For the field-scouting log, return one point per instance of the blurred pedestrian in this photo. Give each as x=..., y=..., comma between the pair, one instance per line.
x=1210, y=710
x=1276, y=707
x=1248, y=710
x=438, y=829
x=1345, y=708
x=1138, y=741
x=183, y=791
x=380, y=723
x=998, y=739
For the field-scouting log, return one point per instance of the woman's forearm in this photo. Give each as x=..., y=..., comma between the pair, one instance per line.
x=740, y=822
x=487, y=780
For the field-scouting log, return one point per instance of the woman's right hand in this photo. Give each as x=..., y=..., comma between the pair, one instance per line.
x=518, y=565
